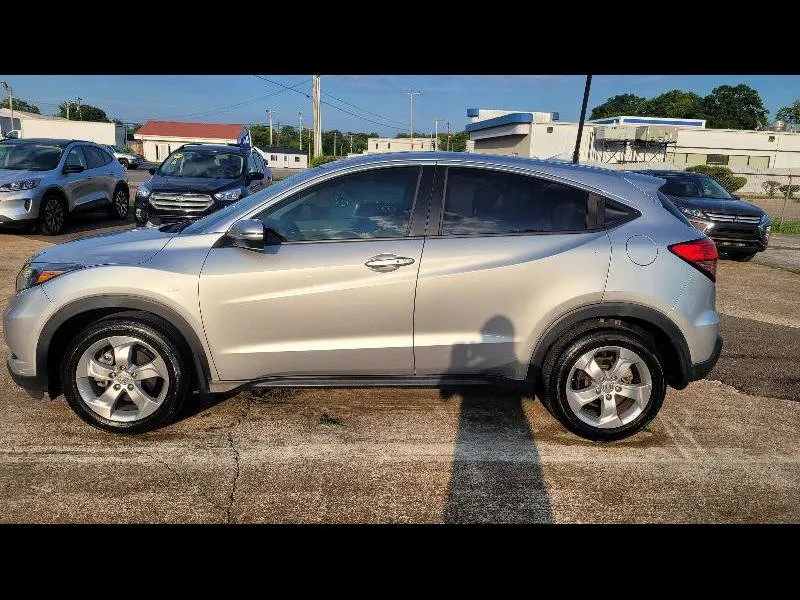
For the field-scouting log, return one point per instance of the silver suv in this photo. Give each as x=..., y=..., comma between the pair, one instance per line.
x=42, y=181
x=129, y=160
x=412, y=269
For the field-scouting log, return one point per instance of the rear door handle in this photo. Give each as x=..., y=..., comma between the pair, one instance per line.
x=388, y=262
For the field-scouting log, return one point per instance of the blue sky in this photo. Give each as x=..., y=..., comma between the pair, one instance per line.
x=244, y=98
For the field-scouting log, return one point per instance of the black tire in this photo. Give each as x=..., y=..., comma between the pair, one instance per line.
x=741, y=256
x=143, y=220
x=156, y=332
x=52, y=215
x=119, y=207
x=124, y=163
x=565, y=352
x=133, y=167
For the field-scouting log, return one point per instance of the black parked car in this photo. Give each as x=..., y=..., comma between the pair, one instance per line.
x=738, y=228
x=198, y=179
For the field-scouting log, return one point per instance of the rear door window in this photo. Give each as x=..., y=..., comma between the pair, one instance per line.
x=94, y=158
x=485, y=202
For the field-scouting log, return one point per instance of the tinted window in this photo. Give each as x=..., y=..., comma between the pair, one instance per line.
x=616, y=213
x=29, y=157
x=106, y=155
x=710, y=188
x=478, y=202
x=94, y=157
x=202, y=163
x=75, y=158
x=680, y=186
x=373, y=204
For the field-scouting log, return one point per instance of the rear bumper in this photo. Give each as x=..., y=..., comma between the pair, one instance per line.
x=702, y=369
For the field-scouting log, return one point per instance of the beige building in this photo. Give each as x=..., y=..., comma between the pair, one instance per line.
x=683, y=142
x=379, y=145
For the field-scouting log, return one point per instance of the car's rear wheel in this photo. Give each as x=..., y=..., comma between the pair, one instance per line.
x=124, y=162
x=605, y=384
x=125, y=375
x=52, y=215
x=119, y=204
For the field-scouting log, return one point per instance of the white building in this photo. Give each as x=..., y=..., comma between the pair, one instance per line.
x=160, y=138
x=32, y=125
x=283, y=157
x=380, y=145
x=626, y=139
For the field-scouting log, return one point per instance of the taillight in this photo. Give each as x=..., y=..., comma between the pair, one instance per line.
x=701, y=254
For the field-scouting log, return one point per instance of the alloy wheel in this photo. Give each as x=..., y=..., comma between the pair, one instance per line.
x=54, y=215
x=609, y=387
x=122, y=378
x=121, y=203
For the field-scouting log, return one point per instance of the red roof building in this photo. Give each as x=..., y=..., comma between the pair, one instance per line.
x=160, y=138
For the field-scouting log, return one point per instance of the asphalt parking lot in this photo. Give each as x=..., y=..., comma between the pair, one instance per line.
x=726, y=449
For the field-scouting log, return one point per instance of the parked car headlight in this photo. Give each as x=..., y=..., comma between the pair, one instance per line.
x=698, y=218
x=22, y=184
x=36, y=273
x=694, y=212
x=143, y=191
x=765, y=221
x=229, y=195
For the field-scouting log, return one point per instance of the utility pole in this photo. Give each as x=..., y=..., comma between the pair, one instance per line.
x=317, y=115
x=411, y=94
x=299, y=114
x=577, y=152
x=10, y=91
x=269, y=112
x=334, y=143
x=80, y=112
x=436, y=135
x=351, y=143
x=448, y=136
x=278, y=127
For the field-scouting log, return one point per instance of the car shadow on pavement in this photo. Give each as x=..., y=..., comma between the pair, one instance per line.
x=497, y=475
x=82, y=225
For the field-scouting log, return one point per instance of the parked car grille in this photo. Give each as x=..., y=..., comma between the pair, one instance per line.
x=733, y=218
x=185, y=202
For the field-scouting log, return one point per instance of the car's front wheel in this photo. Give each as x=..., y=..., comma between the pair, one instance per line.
x=125, y=374
x=52, y=215
x=604, y=384
x=124, y=162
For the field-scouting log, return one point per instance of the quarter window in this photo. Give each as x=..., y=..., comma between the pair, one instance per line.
x=372, y=204
x=479, y=202
x=93, y=157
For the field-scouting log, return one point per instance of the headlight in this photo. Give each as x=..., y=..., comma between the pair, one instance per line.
x=229, y=195
x=23, y=184
x=765, y=221
x=694, y=212
x=143, y=191
x=36, y=273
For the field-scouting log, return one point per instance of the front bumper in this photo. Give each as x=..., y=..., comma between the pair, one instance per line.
x=161, y=216
x=735, y=237
x=33, y=383
x=702, y=369
x=18, y=208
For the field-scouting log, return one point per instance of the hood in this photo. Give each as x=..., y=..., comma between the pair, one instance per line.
x=9, y=175
x=130, y=247
x=159, y=183
x=725, y=207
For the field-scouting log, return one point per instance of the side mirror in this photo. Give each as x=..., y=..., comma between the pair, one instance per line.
x=73, y=169
x=255, y=176
x=152, y=170
x=251, y=234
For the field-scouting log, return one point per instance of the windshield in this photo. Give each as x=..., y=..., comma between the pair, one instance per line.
x=209, y=223
x=204, y=164
x=694, y=187
x=29, y=157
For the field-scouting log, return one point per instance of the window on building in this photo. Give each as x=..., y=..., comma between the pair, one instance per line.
x=771, y=138
x=285, y=159
x=389, y=144
x=717, y=159
x=479, y=202
x=679, y=158
x=376, y=146
x=273, y=157
x=760, y=162
x=549, y=130
x=296, y=159
x=156, y=151
x=372, y=204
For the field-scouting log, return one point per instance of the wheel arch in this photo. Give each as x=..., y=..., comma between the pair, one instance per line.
x=54, y=190
x=668, y=337
x=69, y=319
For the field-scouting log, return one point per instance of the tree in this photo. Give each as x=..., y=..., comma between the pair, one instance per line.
x=723, y=175
x=734, y=107
x=20, y=104
x=84, y=112
x=676, y=104
x=622, y=104
x=787, y=114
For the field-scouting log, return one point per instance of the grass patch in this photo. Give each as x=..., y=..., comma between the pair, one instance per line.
x=786, y=226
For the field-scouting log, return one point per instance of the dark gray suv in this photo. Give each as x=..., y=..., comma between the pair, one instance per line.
x=42, y=181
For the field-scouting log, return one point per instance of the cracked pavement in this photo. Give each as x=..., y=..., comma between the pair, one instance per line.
x=722, y=450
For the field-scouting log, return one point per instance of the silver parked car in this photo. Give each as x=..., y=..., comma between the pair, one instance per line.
x=408, y=269
x=129, y=160
x=42, y=181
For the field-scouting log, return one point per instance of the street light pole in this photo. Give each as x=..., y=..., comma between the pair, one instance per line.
x=299, y=114
x=448, y=136
x=436, y=134
x=10, y=91
x=269, y=112
x=576, y=154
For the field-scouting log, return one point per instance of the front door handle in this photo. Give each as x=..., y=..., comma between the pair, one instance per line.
x=384, y=263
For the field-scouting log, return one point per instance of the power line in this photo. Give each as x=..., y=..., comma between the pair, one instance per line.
x=385, y=118
x=332, y=105
x=239, y=104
